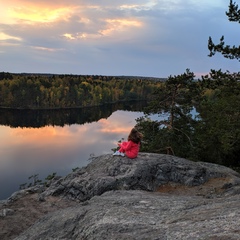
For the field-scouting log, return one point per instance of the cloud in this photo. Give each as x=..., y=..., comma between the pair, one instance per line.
x=4, y=36
x=150, y=38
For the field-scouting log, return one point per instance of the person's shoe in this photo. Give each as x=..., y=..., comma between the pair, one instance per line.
x=122, y=154
x=117, y=153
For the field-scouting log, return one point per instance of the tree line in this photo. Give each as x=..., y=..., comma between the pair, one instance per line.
x=198, y=119
x=43, y=91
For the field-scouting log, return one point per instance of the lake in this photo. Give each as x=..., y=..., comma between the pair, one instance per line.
x=44, y=142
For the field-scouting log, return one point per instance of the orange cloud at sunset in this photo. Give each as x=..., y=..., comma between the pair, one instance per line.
x=33, y=14
x=114, y=25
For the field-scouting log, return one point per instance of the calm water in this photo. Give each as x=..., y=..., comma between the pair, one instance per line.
x=48, y=148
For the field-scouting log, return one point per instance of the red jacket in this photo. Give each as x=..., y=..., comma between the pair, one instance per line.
x=130, y=148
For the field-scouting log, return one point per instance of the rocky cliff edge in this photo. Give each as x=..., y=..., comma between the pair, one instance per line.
x=151, y=197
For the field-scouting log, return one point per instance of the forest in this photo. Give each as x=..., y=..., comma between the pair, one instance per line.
x=49, y=91
x=203, y=122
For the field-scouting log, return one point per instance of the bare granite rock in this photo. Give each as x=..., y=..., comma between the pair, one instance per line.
x=147, y=172
x=138, y=215
x=151, y=197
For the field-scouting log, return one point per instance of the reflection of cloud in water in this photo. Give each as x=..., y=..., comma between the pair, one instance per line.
x=118, y=123
x=27, y=151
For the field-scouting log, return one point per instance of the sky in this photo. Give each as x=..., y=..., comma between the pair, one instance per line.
x=151, y=38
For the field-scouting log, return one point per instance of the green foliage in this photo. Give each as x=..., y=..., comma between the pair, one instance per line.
x=221, y=112
x=213, y=135
x=50, y=176
x=34, y=180
x=218, y=131
x=173, y=103
x=70, y=91
x=231, y=52
x=233, y=13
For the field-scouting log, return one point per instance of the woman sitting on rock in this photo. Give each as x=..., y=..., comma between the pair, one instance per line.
x=131, y=147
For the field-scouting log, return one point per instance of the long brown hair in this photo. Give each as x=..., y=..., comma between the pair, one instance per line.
x=135, y=136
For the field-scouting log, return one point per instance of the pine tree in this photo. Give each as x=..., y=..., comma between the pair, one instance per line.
x=231, y=52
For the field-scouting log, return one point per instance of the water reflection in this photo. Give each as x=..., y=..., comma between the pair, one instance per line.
x=61, y=117
x=47, y=149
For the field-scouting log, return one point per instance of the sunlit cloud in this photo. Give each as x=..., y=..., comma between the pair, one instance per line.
x=46, y=49
x=38, y=14
x=112, y=26
x=132, y=6
x=138, y=6
x=119, y=23
x=4, y=36
x=116, y=25
x=77, y=36
x=69, y=36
